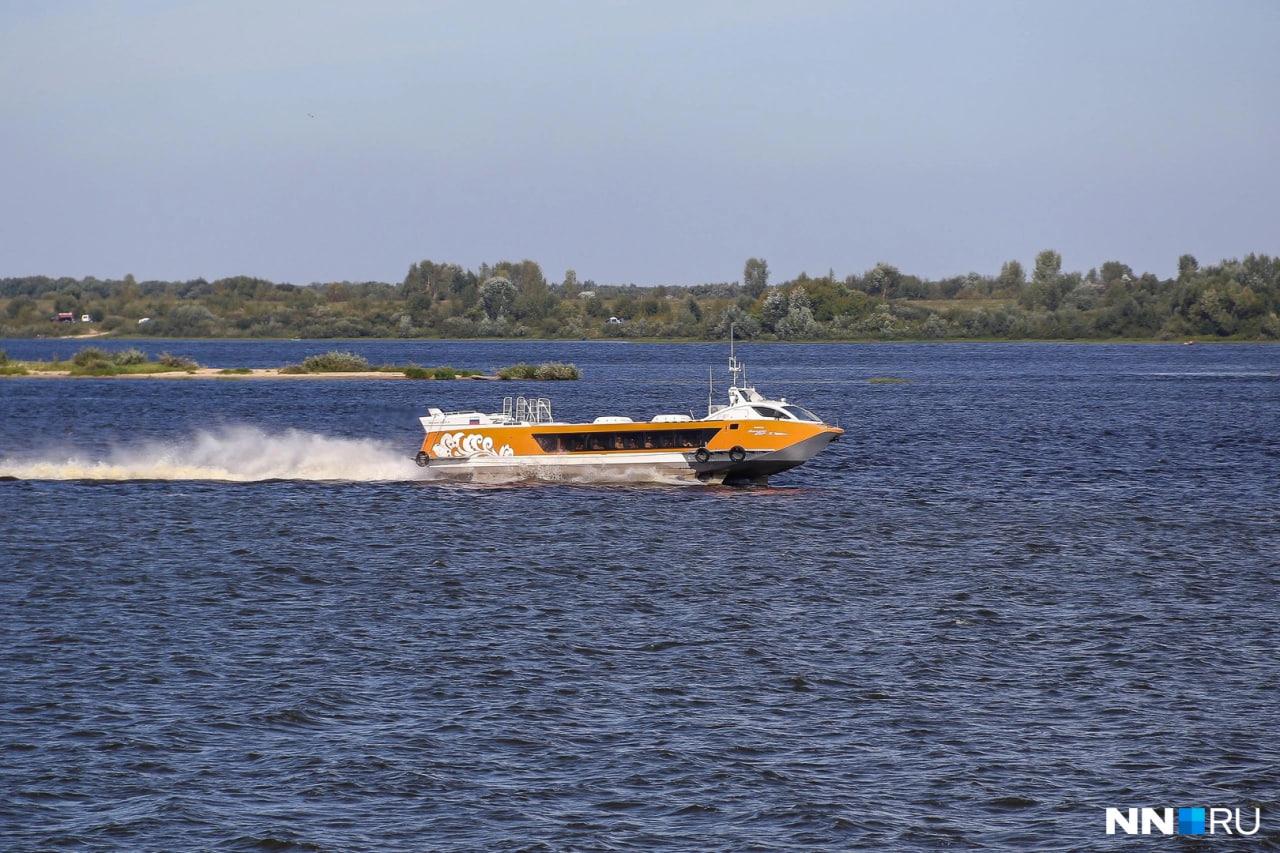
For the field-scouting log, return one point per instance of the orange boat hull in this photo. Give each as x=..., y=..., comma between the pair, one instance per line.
x=706, y=451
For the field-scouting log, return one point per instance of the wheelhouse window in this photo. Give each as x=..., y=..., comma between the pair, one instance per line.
x=770, y=412
x=802, y=414
x=633, y=440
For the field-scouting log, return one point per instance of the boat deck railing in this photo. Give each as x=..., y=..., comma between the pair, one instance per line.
x=526, y=410
x=515, y=410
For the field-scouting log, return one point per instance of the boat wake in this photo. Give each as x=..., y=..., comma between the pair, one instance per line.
x=241, y=454
x=247, y=454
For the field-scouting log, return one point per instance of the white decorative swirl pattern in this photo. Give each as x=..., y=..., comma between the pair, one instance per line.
x=461, y=445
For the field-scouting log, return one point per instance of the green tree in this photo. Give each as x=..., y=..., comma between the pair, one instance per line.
x=498, y=295
x=417, y=290
x=799, y=322
x=695, y=310
x=1113, y=272
x=188, y=320
x=415, y=280
x=1048, y=267
x=1048, y=284
x=22, y=306
x=1187, y=267
x=775, y=308
x=535, y=301
x=595, y=307
x=570, y=286
x=67, y=301
x=755, y=277
x=1012, y=277
x=883, y=280
x=744, y=325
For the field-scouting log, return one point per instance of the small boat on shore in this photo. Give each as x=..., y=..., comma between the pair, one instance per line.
x=745, y=441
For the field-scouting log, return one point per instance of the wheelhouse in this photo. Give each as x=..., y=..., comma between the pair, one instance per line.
x=779, y=410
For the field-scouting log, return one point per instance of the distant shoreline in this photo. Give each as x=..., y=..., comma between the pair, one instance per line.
x=96, y=363
x=107, y=336
x=253, y=373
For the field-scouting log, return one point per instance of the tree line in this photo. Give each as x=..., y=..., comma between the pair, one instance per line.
x=1234, y=299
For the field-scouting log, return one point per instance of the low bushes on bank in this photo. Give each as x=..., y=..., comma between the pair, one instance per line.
x=176, y=362
x=547, y=371
x=91, y=356
x=129, y=356
x=95, y=361
x=330, y=362
x=413, y=371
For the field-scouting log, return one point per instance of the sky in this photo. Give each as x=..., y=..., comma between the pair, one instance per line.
x=649, y=142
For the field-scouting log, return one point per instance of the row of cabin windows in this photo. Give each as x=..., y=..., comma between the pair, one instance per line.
x=590, y=442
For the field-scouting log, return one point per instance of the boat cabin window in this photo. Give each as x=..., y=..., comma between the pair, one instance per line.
x=802, y=414
x=640, y=439
x=770, y=412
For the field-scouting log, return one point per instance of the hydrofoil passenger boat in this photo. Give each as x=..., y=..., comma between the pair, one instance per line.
x=745, y=441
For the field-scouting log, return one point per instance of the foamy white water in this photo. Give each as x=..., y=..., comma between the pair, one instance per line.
x=236, y=454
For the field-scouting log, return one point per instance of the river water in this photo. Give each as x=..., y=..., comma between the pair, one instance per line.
x=1032, y=581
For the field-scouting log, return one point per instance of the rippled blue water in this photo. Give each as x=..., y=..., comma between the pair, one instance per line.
x=1032, y=582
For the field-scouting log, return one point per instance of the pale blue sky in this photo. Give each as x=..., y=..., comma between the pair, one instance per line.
x=649, y=142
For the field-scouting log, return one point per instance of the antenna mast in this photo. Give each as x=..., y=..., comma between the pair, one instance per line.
x=734, y=367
